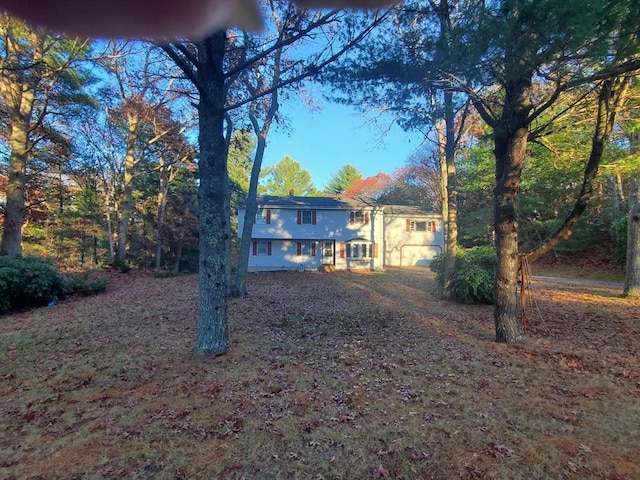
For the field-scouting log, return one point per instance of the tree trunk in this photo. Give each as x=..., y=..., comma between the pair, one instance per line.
x=19, y=98
x=510, y=140
x=451, y=198
x=251, y=208
x=126, y=208
x=612, y=96
x=617, y=194
x=163, y=190
x=251, y=200
x=214, y=211
x=632, y=266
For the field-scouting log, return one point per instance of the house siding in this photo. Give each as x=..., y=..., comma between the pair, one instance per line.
x=411, y=248
x=380, y=238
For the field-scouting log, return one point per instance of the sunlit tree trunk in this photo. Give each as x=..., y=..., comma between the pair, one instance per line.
x=451, y=197
x=617, y=193
x=18, y=94
x=126, y=207
x=16, y=185
x=163, y=193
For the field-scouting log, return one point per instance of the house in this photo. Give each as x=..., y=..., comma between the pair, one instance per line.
x=309, y=232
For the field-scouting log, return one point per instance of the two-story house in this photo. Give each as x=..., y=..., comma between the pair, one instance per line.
x=308, y=232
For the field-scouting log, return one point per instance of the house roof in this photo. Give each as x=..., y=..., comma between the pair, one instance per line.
x=317, y=202
x=407, y=210
x=341, y=203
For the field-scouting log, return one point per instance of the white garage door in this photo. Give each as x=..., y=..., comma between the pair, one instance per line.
x=418, y=255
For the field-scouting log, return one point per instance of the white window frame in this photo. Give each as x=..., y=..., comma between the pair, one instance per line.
x=303, y=217
x=305, y=248
x=359, y=250
x=417, y=223
x=262, y=248
x=261, y=216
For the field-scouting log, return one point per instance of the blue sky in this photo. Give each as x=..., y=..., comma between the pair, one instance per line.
x=324, y=141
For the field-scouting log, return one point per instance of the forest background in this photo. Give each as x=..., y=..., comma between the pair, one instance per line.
x=112, y=162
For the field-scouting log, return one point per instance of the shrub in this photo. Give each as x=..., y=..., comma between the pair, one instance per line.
x=81, y=285
x=619, y=234
x=437, y=266
x=29, y=282
x=473, y=275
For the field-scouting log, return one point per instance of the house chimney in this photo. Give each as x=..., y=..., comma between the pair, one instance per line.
x=291, y=192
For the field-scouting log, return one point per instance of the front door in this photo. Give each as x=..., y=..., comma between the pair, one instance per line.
x=328, y=252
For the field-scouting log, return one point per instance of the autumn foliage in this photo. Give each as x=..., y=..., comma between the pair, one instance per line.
x=371, y=187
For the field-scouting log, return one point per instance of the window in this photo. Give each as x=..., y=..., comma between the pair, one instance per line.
x=359, y=217
x=307, y=217
x=358, y=250
x=421, y=226
x=307, y=248
x=418, y=226
x=261, y=248
x=263, y=215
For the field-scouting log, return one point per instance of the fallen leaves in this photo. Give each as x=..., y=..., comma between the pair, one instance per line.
x=330, y=376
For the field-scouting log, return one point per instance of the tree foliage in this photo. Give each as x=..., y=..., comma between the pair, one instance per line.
x=371, y=187
x=287, y=177
x=340, y=181
x=41, y=86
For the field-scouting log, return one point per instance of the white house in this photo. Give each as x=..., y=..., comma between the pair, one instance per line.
x=308, y=232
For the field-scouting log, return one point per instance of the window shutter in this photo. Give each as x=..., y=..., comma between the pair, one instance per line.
x=313, y=217
x=313, y=249
x=269, y=248
x=341, y=249
x=408, y=225
x=434, y=227
x=366, y=218
x=299, y=220
x=352, y=218
x=268, y=215
x=299, y=251
x=255, y=248
x=375, y=250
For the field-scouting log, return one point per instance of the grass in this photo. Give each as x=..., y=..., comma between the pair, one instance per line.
x=331, y=376
x=566, y=271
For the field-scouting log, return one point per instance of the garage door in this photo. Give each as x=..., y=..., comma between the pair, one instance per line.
x=418, y=255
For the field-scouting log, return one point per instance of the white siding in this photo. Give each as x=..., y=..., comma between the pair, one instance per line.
x=404, y=248
x=284, y=256
x=330, y=224
x=385, y=236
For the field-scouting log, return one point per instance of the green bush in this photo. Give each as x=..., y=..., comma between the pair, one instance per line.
x=29, y=282
x=81, y=285
x=473, y=275
x=619, y=234
x=437, y=266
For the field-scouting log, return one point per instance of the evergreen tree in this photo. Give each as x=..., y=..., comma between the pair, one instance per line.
x=40, y=77
x=287, y=177
x=340, y=181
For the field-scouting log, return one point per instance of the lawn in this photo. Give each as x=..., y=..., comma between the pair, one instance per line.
x=331, y=376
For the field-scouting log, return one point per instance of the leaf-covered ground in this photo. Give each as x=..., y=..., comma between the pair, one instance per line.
x=331, y=376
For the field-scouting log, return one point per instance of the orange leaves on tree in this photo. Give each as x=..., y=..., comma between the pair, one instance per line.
x=370, y=186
